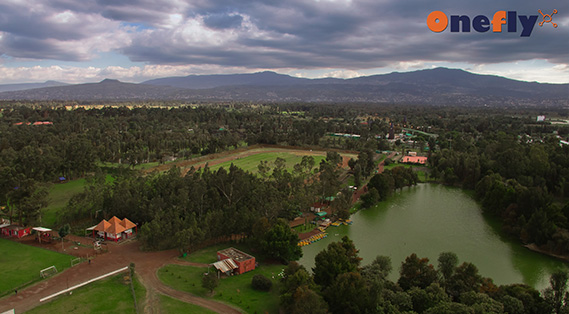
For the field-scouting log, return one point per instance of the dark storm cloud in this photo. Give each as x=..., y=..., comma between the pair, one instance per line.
x=361, y=34
x=36, y=49
x=292, y=34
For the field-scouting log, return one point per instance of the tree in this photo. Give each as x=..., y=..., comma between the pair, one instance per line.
x=370, y=198
x=210, y=281
x=348, y=294
x=447, y=263
x=260, y=282
x=464, y=279
x=306, y=301
x=416, y=272
x=338, y=258
x=334, y=158
x=379, y=268
x=63, y=232
x=556, y=294
x=297, y=288
x=352, y=163
x=281, y=242
x=28, y=199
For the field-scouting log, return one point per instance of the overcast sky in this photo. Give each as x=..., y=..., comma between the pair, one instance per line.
x=78, y=41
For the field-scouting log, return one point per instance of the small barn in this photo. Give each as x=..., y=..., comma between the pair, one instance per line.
x=243, y=261
x=226, y=266
x=15, y=231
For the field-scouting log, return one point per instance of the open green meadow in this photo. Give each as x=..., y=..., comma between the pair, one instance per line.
x=236, y=290
x=208, y=254
x=250, y=163
x=59, y=196
x=20, y=264
x=170, y=305
x=110, y=295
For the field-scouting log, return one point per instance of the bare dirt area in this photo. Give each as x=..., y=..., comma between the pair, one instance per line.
x=118, y=256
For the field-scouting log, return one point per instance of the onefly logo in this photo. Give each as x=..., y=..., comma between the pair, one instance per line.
x=547, y=18
x=437, y=21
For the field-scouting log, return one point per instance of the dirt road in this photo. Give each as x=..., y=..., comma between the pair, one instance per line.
x=119, y=255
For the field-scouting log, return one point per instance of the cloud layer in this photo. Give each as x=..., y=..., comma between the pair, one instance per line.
x=349, y=35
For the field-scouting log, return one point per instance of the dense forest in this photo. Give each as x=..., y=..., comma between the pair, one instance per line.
x=339, y=284
x=517, y=167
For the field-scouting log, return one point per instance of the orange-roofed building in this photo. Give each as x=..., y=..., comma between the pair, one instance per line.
x=114, y=229
x=100, y=228
x=114, y=221
x=128, y=225
x=414, y=160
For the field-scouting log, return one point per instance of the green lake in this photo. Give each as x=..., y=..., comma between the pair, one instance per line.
x=429, y=219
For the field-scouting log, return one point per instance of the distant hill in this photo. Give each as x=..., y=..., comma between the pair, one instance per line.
x=434, y=86
x=105, y=90
x=24, y=86
x=212, y=81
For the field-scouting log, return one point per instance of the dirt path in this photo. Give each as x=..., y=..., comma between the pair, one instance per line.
x=118, y=256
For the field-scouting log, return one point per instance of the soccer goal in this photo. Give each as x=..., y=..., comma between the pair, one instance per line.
x=76, y=261
x=47, y=272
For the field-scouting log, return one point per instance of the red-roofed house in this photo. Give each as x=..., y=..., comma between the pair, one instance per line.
x=414, y=160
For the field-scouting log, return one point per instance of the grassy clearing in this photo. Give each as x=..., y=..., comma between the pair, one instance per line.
x=250, y=163
x=170, y=305
x=21, y=264
x=112, y=295
x=209, y=254
x=304, y=228
x=234, y=290
x=59, y=196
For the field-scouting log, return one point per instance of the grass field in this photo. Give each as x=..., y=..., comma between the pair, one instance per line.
x=21, y=264
x=111, y=295
x=59, y=196
x=170, y=305
x=235, y=290
x=250, y=163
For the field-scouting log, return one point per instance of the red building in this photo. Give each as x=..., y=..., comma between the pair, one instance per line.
x=244, y=261
x=15, y=231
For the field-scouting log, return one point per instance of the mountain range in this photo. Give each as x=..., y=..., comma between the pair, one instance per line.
x=434, y=86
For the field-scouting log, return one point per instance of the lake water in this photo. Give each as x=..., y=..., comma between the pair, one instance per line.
x=429, y=219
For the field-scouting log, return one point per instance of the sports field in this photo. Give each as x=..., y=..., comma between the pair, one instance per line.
x=112, y=295
x=250, y=163
x=21, y=264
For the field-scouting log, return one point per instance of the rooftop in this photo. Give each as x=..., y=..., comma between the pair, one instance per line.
x=235, y=254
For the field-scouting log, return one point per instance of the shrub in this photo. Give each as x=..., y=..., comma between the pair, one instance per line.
x=260, y=282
